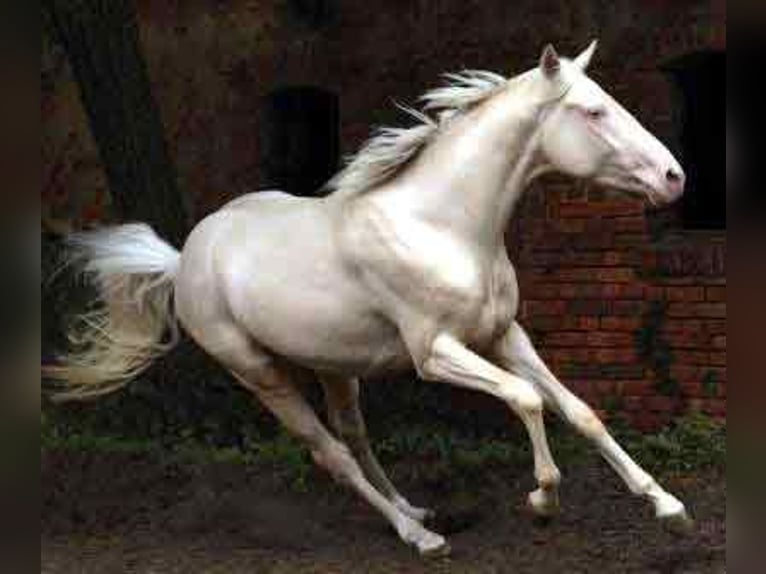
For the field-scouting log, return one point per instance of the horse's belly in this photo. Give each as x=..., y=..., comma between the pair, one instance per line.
x=324, y=334
x=287, y=286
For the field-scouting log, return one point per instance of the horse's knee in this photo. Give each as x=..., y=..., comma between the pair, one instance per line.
x=531, y=403
x=524, y=399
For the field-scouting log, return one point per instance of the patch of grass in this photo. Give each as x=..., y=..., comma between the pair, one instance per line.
x=696, y=442
x=437, y=454
x=53, y=439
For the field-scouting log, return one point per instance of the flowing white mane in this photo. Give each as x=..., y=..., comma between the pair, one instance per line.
x=390, y=149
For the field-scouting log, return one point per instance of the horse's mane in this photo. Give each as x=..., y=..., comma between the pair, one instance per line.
x=390, y=149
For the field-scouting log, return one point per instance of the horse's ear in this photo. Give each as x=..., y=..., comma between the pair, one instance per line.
x=550, y=64
x=584, y=58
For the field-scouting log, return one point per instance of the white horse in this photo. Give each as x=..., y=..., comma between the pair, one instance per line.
x=402, y=265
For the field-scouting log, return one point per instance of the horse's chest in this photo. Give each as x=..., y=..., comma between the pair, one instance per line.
x=479, y=310
x=427, y=278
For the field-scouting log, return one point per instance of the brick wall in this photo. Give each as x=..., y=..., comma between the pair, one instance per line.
x=629, y=310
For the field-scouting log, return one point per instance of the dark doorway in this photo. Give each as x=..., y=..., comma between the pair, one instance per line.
x=299, y=139
x=701, y=77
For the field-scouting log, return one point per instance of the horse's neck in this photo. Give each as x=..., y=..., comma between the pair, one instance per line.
x=469, y=178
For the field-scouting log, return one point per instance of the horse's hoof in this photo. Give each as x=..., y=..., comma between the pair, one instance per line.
x=440, y=551
x=544, y=506
x=679, y=523
x=428, y=544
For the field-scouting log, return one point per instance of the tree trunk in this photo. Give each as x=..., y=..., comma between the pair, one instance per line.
x=101, y=40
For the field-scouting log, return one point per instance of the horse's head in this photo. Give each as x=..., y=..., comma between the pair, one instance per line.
x=590, y=135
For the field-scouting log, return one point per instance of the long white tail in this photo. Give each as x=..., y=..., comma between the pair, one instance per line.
x=133, y=322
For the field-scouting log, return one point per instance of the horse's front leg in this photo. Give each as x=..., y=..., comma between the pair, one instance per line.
x=450, y=361
x=516, y=353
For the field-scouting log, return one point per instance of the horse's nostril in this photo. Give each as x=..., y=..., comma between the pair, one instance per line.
x=672, y=175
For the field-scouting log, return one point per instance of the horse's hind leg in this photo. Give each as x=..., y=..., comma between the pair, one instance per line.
x=342, y=397
x=270, y=381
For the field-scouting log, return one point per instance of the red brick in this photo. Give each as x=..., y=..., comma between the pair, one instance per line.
x=715, y=407
x=695, y=404
x=632, y=370
x=685, y=293
x=543, y=290
x=635, y=388
x=564, y=323
x=711, y=310
x=609, y=339
x=565, y=339
x=569, y=355
x=547, y=290
x=686, y=357
x=620, y=323
x=658, y=403
x=649, y=259
x=583, y=389
x=624, y=291
x=696, y=373
x=615, y=274
x=622, y=258
x=686, y=373
x=608, y=208
x=628, y=224
x=534, y=308
x=691, y=389
x=687, y=339
x=591, y=274
x=695, y=326
x=629, y=308
x=680, y=280
x=605, y=388
x=633, y=403
x=616, y=355
x=589, y=307
x=653, y=293
x=715, y=327
x=615, y=258
x=646, y=421
x=569, y=225
x=717, y=294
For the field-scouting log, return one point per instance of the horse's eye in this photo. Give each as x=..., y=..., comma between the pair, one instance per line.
x=595, y=113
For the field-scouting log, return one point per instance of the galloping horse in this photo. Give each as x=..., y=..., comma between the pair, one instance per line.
x=402, y=265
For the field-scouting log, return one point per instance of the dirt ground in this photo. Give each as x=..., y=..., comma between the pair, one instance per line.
x=135, y=513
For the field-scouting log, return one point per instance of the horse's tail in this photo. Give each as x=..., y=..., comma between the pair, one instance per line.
x=133, y=323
